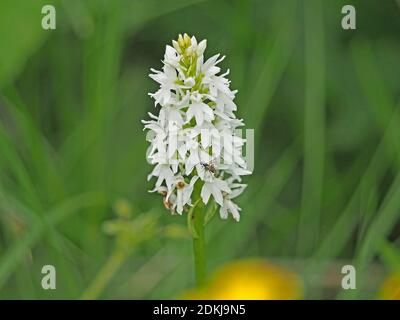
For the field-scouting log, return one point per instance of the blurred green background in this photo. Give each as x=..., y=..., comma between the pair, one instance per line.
x=324, y=103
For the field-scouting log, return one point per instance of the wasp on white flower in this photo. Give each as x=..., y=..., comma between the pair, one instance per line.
x=196, y=125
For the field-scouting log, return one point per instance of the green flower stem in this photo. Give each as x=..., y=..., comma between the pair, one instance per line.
x=197, y=222
x=199, y=246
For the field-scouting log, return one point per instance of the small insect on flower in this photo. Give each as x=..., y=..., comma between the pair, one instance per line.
x=208, y=166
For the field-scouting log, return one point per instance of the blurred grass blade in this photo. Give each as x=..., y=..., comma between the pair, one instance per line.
x=314, y=128
x=15, y=253
x=269, y=75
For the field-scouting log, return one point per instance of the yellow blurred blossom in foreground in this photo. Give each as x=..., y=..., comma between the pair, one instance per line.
x=252, y=279
x=390, y=289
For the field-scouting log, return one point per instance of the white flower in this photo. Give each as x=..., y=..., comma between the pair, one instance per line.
x=171, y=57
x=163, y=172
x=183, y=192
x=215, y=187
x=200, y=110
x=228, y=205
x=192, y=140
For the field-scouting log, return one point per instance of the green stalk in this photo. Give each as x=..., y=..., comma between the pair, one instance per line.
x=196, y=224
x=199, y=246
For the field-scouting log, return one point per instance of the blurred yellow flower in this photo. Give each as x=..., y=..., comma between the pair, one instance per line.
x=251, y=279
x=390, y=289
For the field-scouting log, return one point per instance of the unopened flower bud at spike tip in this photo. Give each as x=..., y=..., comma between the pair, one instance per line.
x=181, y=41
x=186, y=39
x=196, y=119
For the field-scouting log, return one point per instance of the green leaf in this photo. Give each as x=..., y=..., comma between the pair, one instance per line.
x=390, y=255
x=211, y=210
x=21, y=35
x=190, y=220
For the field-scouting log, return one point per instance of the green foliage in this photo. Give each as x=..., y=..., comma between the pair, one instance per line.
x=322, y=101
